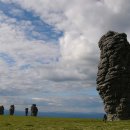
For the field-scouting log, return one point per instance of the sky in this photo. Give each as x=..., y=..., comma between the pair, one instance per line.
x=49, y=51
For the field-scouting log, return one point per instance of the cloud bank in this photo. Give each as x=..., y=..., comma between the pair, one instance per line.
x=49, y=50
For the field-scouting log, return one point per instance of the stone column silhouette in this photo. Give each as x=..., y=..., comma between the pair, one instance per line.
x=113, y=77
x=34, y=110
x=12, y=109
x=26, y=111
x=2, y=110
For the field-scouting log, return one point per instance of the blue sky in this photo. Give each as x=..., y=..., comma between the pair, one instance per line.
x=49, y=52
x=42, y=29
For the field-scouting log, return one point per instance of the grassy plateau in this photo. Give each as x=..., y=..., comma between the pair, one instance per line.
x=43, y=123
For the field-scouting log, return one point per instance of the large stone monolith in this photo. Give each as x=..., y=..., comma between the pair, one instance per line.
x=113, y=77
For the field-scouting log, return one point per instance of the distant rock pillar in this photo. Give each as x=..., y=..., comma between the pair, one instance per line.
x=113, y=77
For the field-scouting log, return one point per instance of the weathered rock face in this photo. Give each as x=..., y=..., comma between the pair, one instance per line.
x=113, y=77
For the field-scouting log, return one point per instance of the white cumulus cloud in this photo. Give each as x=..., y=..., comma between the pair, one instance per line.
x=74, y=57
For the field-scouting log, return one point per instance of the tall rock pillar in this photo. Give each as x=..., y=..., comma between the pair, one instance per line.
x=113, y=77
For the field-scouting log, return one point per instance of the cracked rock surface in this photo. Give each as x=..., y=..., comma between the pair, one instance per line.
x=113, y=77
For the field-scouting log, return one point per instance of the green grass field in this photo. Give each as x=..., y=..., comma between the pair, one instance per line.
x=40, y=123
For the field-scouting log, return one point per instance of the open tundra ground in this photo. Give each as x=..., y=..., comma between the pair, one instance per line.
x=40, y=123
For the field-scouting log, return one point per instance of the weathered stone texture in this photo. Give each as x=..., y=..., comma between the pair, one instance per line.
x=113, y=77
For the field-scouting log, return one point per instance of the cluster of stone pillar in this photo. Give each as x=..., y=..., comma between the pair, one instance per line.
x=34, y=110
x=11, y=110
x=113, y=77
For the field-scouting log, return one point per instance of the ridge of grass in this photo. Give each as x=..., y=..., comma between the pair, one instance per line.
x=44, y=123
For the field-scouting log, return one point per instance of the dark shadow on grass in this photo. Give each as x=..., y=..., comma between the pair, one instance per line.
x=29, y=125
x=7, y=124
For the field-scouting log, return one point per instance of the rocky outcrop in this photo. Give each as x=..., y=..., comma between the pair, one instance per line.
x=113, y=77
